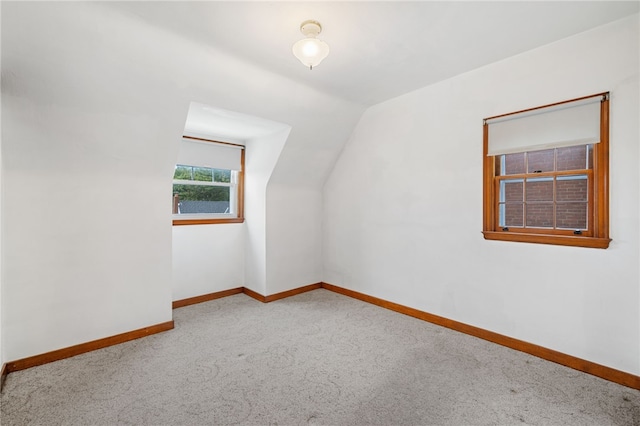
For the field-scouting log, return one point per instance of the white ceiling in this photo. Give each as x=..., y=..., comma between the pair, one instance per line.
x=379, y=50
x=230, y=126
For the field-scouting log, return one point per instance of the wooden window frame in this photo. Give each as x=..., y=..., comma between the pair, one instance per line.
x=213, y=221
x=598, y=206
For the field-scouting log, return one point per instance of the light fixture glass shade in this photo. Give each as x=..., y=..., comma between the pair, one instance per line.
x=310, y=51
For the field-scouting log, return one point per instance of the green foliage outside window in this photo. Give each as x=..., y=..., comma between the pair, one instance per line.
x=201, y=192
x=202, y=174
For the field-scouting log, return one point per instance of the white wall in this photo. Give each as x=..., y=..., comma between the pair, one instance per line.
x=85, y=254
x=1, y=226
x=207, y=259
x=294, y=207
x=294, y=237
x=403, y=206
x=261, y=157
x=87, y=159
x=94, y=101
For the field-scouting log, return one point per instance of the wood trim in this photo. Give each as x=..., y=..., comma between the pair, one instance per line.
x=59, y=354
x=601, y=181
x=531, y=176
x=214, y=141
x=240, y=192
x=548, y=231
x=175, y=203
x=282, y=295
x=178, y=222
x=292, y=292
x=255, y=295
x=607, y=373
x=206, y=297
x=3, y=375
x=489, y=171
x=560, y=240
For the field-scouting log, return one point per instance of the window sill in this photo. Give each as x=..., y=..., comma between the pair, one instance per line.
x=179, y=222
x=561, y=240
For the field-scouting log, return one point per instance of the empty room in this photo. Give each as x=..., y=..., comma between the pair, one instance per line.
x=340, y=213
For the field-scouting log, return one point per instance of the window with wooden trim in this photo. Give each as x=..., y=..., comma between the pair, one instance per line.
x=208, y=183
x=546, y=174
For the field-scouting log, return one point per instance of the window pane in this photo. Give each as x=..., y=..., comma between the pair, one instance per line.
x=511, y=190
x=182, y=172
x=572, y=188
x=540, y=161
x=202, y=199
x=540, y=189
x=539, y=215
x=202, y=174
x=221, y=175
x=512, y=215
x=513, y=164
x=571, y=215
x=572, y=158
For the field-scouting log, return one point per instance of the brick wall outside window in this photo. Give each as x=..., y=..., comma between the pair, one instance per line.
x=530, y=200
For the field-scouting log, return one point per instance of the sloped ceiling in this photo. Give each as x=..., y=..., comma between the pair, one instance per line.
x=379, y=50
x=216, y=123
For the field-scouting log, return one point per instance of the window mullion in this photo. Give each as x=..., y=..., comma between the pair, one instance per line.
x=524, y=190
x=553, y=188
x=554, y=201
x=200, y=183
x=525, y=204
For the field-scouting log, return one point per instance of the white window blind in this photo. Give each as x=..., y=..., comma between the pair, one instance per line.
x=209, y=154
x=566, y=124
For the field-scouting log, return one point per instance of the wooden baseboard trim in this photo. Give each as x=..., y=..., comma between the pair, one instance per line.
x=282, y=295
x=59, y=354
x=3, y=375
x=292, y=292
x=255, y=295
x=607, y=373
x=206, y=297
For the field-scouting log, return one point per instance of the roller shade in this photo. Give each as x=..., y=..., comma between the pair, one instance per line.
x=566, y=124
x=209, y=154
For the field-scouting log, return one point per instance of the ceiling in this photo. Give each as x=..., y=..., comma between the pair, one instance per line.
x=379, y=50
x=219, y=124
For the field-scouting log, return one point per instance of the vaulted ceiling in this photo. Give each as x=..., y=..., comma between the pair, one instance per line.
x=379, y=50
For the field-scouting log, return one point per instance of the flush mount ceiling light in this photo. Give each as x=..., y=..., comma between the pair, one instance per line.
x=310, y=51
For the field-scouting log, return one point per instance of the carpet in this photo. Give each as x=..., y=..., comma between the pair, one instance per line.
x=316, y=358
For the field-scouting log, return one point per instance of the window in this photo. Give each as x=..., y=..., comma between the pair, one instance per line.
x=208, y=183
x=546, y=174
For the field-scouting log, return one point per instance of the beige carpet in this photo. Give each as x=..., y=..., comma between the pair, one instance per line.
x=316, y=358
